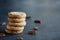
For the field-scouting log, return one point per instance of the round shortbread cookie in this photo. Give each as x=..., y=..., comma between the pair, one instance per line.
x=16, y=20
x=17, y=14
x=15, y=28
x=13, y=32
x=17, y=24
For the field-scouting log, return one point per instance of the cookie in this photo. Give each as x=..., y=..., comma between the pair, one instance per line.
x=17, y=24
x=17, y=14
x=15, y=28
x=13, y=32
x=16, y=20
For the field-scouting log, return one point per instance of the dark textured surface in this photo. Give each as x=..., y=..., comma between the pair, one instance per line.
x=48, y=11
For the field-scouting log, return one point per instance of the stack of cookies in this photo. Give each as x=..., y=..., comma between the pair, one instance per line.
x=16, y=22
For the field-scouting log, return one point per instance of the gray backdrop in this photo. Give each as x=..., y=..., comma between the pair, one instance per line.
x=48, y=11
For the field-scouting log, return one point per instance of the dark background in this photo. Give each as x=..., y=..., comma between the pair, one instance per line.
x=48, y=11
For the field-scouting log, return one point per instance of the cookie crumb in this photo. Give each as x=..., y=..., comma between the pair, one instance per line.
x=37, y=21
x=35, y=28
x=3, y=23
x=21, y=38
x=32, y=32
x=2, y=34
x=28, y=17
